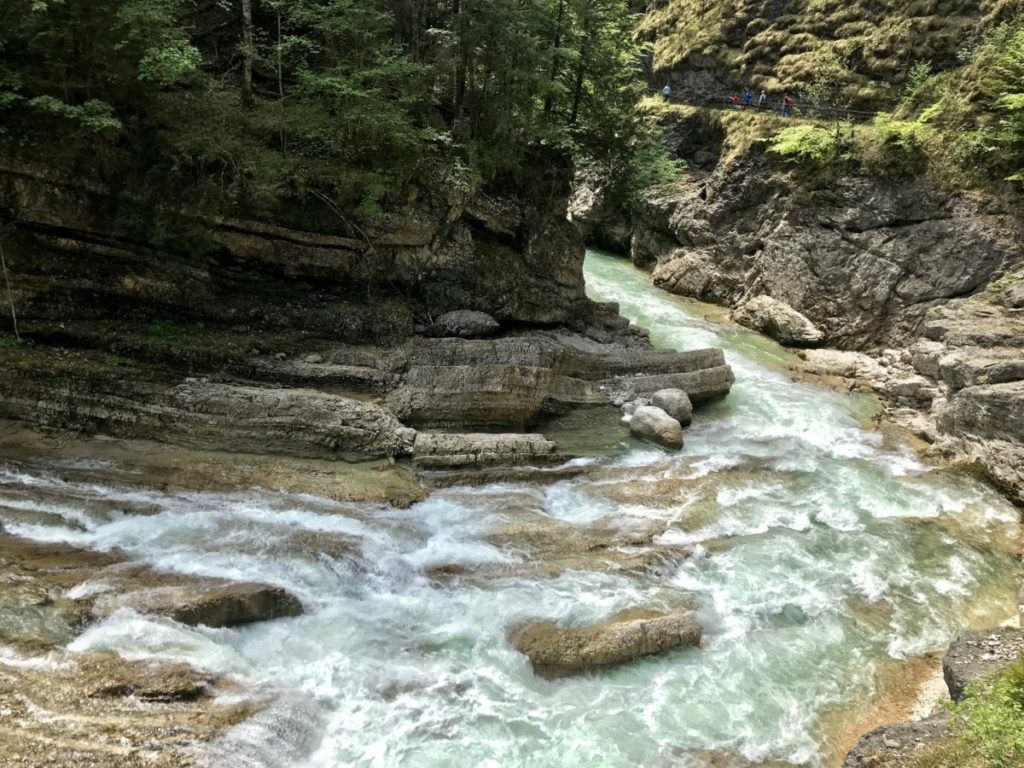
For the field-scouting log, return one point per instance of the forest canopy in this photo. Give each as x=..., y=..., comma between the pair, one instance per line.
x=248, y=101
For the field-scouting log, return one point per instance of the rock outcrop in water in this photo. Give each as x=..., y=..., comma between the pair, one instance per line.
x=558, y=652
x=303, y=341
x=63, y=708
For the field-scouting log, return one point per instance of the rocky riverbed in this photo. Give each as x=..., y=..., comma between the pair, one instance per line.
x=811, y=556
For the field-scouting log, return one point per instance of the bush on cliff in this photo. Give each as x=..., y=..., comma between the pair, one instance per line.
x=807, y=143
x=989, y=723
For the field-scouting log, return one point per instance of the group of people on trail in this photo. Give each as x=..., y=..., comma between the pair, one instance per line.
x=747, y=101
x=762, y=102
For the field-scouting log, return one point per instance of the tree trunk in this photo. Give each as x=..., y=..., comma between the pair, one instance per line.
x=581, y=76
x=248, y=50
x=555, y=61
x=10, y=294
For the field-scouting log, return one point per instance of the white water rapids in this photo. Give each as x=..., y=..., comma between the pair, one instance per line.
x=819, y=552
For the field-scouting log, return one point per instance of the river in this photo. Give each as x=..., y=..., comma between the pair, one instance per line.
x=817, y=553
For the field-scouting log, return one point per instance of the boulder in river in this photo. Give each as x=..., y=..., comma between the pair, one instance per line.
x=211, y=604
x=778, y=320
x=655, y=426
x=559, y=652
x=676, y=403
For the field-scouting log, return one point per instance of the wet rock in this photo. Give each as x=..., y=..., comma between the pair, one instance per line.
x=978, y=654
x=778, y=320
x=558, y=652
x=96, y=709
x=655, y=426
x=895, y=746
x=205, y=415
x=208, y=604
x=675, y=403
x=465, y=324
x=445, y=450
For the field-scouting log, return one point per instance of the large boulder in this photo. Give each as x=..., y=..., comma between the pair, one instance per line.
x=464, y=324
x=978, y=654
x=558, y=652
x=778, y=320
x=210, y=604
x=655, y=426
x=676, y=403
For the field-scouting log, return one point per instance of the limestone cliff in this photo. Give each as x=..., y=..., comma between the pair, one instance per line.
x=301, y=332
x=838, y=257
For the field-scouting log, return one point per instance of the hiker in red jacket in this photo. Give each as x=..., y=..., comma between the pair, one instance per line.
x=787, y=106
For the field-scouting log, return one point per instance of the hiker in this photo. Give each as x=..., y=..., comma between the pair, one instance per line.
x=735, y=101
x=762, y=100
x=666, y=92
x=748, y=99
x=787, y=106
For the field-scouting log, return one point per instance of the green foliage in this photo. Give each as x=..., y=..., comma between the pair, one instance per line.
x=806, y=143
x=348, y=100
x=894, y=147
x=93, y=115
x=977, y=112
x=917, y=77
x=992, y=716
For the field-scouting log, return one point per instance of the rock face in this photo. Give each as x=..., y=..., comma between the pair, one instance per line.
x=597, y=218
x=655, y=426
x=862, y=258
x=556, y=652
x=302, y=341
x=978, y=654
x=465, y=324
x=507, y=250
x=778, y=320
x=675, y=403
x=514, y=381
x=865, y=264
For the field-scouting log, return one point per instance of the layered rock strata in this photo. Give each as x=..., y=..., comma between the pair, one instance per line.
x=290, y=335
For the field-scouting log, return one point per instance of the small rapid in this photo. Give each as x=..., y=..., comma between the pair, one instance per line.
x=816, y=552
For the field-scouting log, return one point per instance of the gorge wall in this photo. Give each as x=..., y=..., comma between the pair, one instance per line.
x=454, y=311
x=926, y=277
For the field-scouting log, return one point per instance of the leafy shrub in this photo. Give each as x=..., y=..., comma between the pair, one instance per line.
x=993, y=718
x=806, y=144
x=894, y=147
